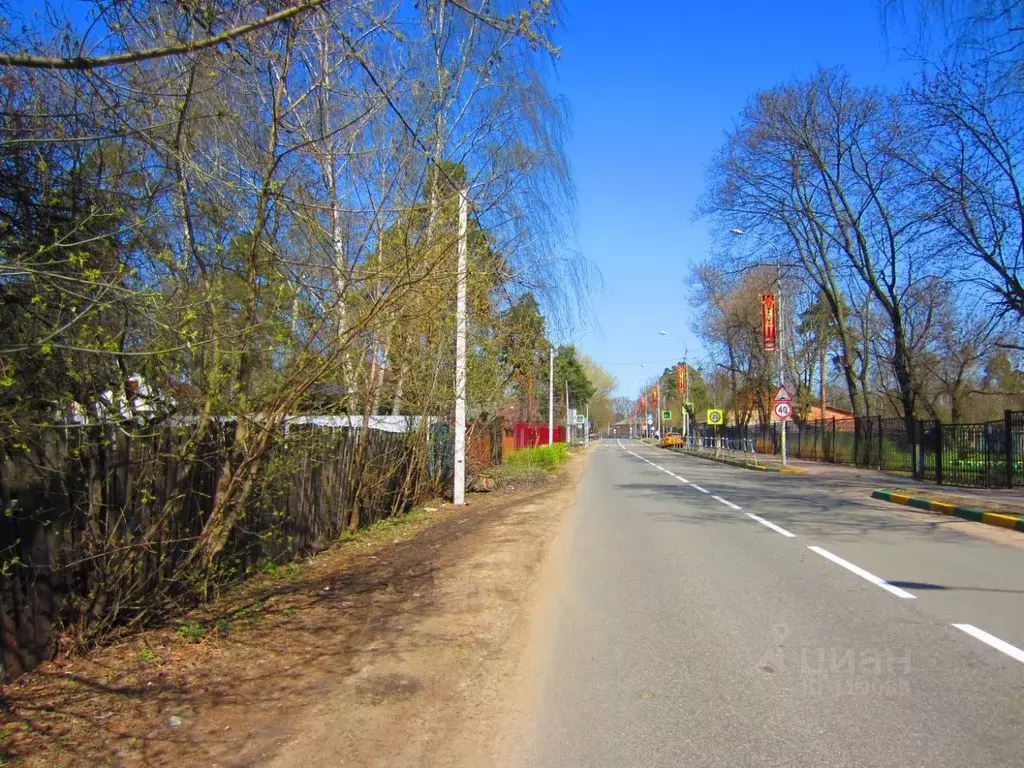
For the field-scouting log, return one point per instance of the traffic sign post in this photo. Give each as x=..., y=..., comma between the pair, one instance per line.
x=783, y=410
x=716, y=417
x=666, y=415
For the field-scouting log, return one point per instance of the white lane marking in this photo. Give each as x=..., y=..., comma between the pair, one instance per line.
x=684, y=480
x=773, y=526
x=1000, y=645
x=864, y=574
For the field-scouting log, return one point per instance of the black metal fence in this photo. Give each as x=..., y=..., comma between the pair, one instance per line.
x=983, y=455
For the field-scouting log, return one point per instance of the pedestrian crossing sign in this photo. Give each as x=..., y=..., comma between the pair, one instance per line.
x=666, y=415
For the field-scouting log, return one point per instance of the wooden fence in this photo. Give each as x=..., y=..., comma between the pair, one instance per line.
x=99, y=524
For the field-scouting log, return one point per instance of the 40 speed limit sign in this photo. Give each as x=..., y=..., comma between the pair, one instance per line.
x=783, y=409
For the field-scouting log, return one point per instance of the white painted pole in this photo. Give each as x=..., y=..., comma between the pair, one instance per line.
x=568, y=427
x=551, y=397
x=686, y=411
x=661, y=424
x=782, y=361
x=459, y=492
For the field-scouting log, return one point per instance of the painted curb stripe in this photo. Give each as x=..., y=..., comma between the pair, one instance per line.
x=1003, y=521
x=1010, y=522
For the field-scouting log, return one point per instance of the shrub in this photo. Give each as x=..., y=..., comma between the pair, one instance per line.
x=546, y=457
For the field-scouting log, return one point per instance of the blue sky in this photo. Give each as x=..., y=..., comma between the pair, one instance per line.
x=653, y=87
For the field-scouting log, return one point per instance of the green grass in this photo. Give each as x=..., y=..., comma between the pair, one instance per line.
x=508, y=477
x=546, y=457
x=191, y=632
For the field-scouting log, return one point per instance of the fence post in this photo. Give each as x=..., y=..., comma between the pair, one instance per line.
x=922, y=449
x=938, y=453
x=1008, y=445
x=916, y=453
x=879, y=442
x=833, y=439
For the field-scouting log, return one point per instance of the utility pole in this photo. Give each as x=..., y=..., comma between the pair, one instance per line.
x=551, y=397
x=459, y=492
x=782, y=361
x=686, y=399
x=586, y=428
x=661, y=423
x=568, y=427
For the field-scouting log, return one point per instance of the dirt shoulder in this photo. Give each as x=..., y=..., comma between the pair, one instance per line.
x=404, y=648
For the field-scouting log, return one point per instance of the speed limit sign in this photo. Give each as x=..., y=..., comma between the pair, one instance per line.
x=783, y=409
x=715, y=416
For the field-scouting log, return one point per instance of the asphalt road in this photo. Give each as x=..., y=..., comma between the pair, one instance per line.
x=688, y=632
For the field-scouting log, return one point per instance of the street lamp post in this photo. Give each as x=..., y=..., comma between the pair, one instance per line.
x=779, y=328
x=686, y=363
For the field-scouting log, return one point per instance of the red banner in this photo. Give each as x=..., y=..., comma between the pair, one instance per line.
x=681, y=378
x=652, y=398
x=769, y=322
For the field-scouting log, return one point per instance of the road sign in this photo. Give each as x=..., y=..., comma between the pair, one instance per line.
x=650, y=419
x=715, y=416
x=581, y=419
x=783, y=409
x=666, y=415
x=782, y=394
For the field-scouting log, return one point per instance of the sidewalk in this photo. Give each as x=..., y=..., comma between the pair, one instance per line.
x=738, y=459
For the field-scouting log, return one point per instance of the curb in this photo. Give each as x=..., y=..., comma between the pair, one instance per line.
x=740, y=464
x=1012, y=522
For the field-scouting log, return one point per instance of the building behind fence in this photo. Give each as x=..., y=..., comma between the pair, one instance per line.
x=99, y=523
x=984, y=455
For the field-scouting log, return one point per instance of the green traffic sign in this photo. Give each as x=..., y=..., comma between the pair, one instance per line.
x=666, y=415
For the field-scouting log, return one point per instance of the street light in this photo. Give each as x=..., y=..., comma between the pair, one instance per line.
x=686, y=359
x=782, y=360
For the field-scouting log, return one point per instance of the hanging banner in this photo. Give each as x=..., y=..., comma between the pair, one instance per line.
x=652, y=398
x=769, y=322
x=681, y=379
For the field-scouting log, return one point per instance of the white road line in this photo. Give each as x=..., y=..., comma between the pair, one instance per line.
x=1000, y=645
x=727, y=503
x=863, y=574
x=684, y=480
x=773, y=526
